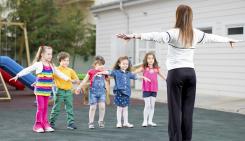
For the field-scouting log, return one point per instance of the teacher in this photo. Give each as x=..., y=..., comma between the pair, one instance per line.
x=181, y=79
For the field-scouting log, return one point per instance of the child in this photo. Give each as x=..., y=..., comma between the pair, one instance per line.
x=43, y=86
x=64, y=93
x=122, y=90
x=97, y=91
x=150, y=70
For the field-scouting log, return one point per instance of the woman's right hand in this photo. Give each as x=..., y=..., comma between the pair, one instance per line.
x=13, y=78
x=125, y=36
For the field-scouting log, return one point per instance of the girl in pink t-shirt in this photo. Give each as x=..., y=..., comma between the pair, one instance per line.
x=151, y=70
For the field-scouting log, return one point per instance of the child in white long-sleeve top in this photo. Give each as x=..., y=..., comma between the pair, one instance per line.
x=43, y=86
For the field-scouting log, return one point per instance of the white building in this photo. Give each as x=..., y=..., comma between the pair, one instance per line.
x=220, y=69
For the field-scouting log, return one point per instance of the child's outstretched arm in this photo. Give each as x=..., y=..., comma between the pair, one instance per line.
x=135, y=77
x=79, y=87
x=162, y=75
x=74, y=77
x=61, y=75
x=107, y=72
x=25, y=72
x=143, y=77
x=76, y=81
x=138, y=70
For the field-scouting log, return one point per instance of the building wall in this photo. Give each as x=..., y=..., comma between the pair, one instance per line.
x=220, y=69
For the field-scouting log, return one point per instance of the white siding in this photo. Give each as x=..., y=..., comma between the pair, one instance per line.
x=220, y=69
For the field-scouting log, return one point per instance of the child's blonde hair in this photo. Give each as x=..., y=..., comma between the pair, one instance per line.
x=40, y=50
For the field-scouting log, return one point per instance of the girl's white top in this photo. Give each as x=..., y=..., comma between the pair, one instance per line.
x=38, y=68
x=179, y=56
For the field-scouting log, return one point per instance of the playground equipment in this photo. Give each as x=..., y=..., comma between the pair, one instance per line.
x=6, y=76
x=10, y=66
x=4, y=89
x=23, y=27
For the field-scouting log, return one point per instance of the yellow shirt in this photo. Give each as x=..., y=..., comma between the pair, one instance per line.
x=62, y=84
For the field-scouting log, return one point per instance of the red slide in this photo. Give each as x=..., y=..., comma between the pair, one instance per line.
x=6, y=76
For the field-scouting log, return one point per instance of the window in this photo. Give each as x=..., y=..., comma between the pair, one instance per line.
x=143, y=47
x=207, y=30
x=235, y=30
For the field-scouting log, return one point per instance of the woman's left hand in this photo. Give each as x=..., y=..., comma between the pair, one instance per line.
x=233, y=41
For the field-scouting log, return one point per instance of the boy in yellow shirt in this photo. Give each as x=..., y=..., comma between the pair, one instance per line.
x=64, y=92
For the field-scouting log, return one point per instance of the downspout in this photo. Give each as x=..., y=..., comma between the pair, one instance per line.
x=131, y=58
x=126, y=14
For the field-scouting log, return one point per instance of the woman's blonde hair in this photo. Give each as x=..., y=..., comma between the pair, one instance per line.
x=184, y=17
x=40, y=50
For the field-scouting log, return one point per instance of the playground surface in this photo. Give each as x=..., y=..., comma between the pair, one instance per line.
x=17, y=117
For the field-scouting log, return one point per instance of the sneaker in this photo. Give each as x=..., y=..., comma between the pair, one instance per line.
x=72, y=126
x=52, y=125
x=119, y=125
x=49, y=129
x=128, y=125
x=144, y=124
x=38, y=130
x=101, y=124
x=91, y=125
x=152, y=124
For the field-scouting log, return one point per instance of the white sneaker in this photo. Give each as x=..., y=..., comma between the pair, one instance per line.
x=91, y=125
x=119, y=125
x=101, y=124
x=39, y=130
x=144, y=124
x=49, y=129
x=128, y=125
x=152, y=124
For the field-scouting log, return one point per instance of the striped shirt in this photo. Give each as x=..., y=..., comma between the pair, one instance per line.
x=44, y=82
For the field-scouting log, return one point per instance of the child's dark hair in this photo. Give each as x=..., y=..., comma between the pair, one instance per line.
x=63, y=55
x=145, y=64
x=119, y=60
x=98, y=60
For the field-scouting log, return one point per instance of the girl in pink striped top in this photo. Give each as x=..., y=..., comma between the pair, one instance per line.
x=150, y=70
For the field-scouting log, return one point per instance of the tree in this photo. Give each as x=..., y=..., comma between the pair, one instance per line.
x=49, y=24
